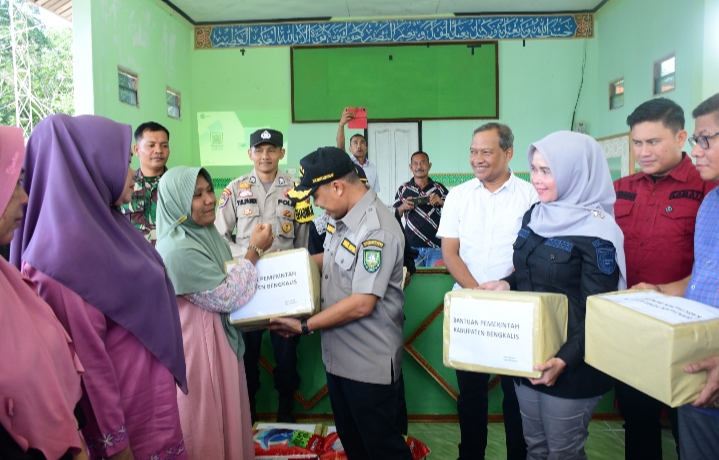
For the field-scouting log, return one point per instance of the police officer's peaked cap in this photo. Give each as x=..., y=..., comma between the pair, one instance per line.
x=320, y=167
x=266, y=136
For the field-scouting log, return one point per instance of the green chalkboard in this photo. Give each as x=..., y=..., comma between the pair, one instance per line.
x=396, y=82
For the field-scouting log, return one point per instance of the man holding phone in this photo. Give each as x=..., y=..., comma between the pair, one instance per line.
x=358, y=147
x=420, y=201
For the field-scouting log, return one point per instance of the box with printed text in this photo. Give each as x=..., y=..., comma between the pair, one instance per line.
x=288, y=286
x=503, y=332
x=644, y=339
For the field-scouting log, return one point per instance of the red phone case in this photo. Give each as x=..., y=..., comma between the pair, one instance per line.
x=360, y=118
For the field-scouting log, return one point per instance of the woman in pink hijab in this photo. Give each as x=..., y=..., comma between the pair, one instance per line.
x=39, y=380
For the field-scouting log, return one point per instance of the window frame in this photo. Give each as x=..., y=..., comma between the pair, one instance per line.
x=136, y=83
x=178, y=99
x=614, y=94
x=656, y=74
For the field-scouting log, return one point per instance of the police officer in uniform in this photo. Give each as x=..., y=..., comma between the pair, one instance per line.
x=362, y=299
x=261, y=197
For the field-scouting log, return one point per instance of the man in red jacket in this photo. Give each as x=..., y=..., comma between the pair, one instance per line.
x=656, y=209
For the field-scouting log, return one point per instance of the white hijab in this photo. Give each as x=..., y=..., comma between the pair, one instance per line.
x=585, y=194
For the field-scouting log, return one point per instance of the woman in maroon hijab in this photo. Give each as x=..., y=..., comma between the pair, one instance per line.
x=106, y=284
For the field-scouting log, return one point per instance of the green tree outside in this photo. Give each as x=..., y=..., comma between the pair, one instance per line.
x=50, y=62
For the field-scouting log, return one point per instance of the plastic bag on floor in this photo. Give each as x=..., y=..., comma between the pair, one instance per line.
x=287, y=441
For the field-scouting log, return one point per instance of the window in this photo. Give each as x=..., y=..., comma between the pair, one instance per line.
x=128, y=87
x=173, y=104
x=664, y=76
x=616, y=94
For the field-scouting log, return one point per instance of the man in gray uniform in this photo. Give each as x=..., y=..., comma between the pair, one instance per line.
x=261, y=196
x=362, y=299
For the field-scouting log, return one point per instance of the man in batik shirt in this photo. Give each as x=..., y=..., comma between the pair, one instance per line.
x=422, y=217
x=152, y=147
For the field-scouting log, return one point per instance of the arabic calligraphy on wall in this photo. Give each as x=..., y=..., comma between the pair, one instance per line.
x=395, y=31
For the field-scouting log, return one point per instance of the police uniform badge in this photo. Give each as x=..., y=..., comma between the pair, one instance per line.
x=287, y=214
x=224, y=198
x=245, y=193
x=244, y=185
x=606, y=256
x=247, y=212
x=281, y=181
x=286, y=227
x=253, y=180
x=265, y=135
x=372, y=259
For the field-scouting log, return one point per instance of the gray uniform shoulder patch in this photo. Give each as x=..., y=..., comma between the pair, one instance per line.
x=372, y=219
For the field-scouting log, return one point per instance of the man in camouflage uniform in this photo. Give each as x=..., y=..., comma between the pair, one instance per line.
x=261, y=196
x=152, y=147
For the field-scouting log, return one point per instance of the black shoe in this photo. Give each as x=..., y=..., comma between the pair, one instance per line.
x=253, y=412
x=284, y=412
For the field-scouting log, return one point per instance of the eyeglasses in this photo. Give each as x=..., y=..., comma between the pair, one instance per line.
x=703, y=141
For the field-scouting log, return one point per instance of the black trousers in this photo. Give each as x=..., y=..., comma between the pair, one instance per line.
x=642, y=430
x=473, y=408
x=366, y=419
x=402, y=421
x=287, y=379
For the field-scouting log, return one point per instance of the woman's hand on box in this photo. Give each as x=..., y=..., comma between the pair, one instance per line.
x=675, y=288
x=552, y=369
x=709, y=397
x=499, y=285
x=646, y=287
x=286, y=327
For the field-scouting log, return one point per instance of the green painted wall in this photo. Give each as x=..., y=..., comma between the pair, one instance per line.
x=631, y=35
x=710, y=43
x=147, y=39
x=538, y=90
x=538, y=85
x=255, y=86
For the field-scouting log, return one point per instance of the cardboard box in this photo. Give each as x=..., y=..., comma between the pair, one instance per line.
x=503, y=332
x=644, y=339
x=288, y=286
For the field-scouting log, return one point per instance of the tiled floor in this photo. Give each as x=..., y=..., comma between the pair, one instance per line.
x=605, y=442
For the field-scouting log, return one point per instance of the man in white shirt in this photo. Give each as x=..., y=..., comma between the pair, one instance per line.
x=480, y=222
x=358, y=149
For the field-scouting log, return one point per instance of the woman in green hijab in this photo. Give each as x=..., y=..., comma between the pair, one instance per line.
x=215, y=414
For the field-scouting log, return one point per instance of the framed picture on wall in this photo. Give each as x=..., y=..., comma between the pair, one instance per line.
x=618, y=151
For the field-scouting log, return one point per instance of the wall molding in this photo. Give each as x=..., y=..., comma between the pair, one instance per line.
x=383, y=31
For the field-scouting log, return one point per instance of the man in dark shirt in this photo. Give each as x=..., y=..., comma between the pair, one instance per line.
x=422, y=220
x=656, y=209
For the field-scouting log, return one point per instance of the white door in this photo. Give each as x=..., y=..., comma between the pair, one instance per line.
x=390, y=146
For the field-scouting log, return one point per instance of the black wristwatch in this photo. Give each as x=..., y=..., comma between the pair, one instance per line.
x=305, y=329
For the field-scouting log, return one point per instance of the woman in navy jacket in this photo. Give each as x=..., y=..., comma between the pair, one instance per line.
x=569, y=244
